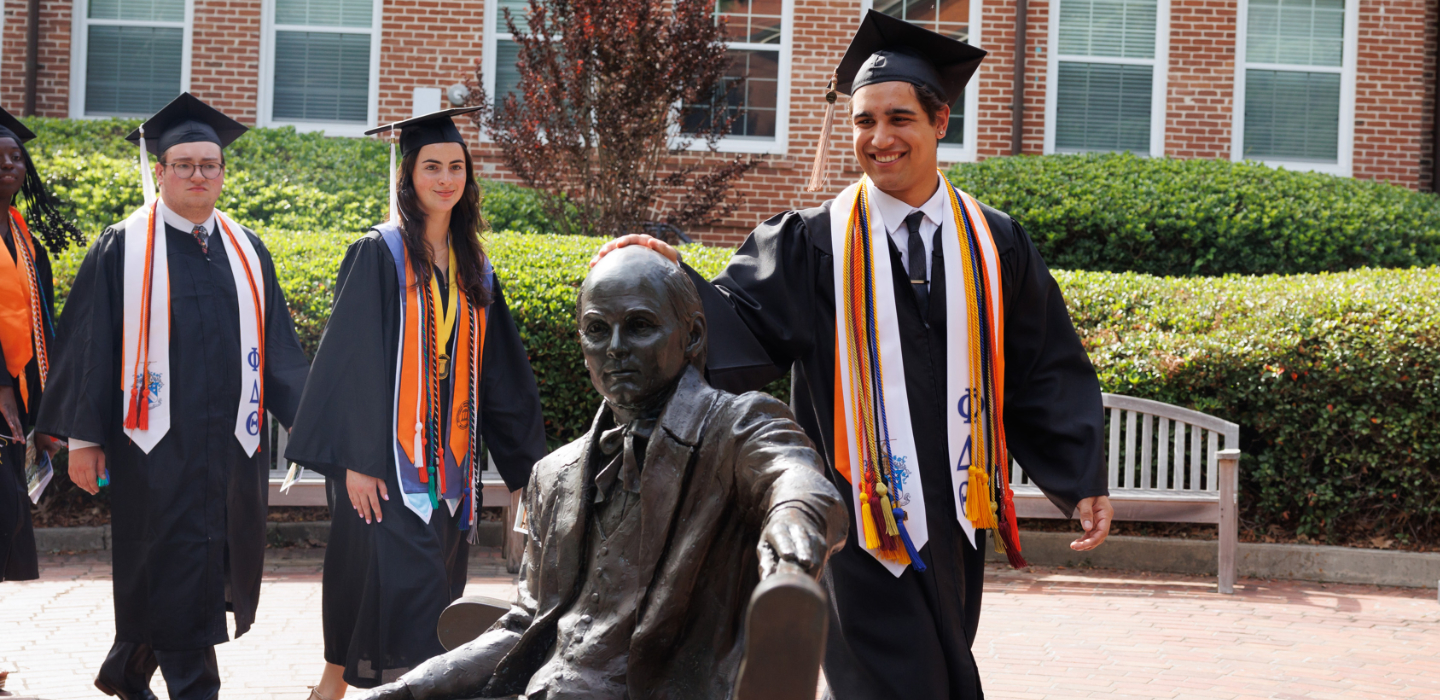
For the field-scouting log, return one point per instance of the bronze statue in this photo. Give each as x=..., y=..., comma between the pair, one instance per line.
x=649, y=534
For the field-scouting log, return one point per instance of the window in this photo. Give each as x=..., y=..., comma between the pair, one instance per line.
x=131, y=57
x=1295, y=71
x=320, y=64
x=502, y=52
x=955, y=19
x=1106, y=87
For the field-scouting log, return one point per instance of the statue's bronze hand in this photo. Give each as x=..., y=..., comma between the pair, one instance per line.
x=790, y=537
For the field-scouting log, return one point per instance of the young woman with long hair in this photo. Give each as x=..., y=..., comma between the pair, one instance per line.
x=420, y=363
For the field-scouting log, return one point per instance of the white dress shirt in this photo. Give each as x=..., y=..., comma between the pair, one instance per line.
x=893, y=212
x=174, y=221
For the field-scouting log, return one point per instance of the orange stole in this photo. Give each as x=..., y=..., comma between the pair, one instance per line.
x=22, y=322
x=409, y=423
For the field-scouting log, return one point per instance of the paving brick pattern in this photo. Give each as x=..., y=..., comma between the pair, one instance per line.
x=1047, y=634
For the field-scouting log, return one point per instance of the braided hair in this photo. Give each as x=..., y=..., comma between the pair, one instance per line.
x=44, y=213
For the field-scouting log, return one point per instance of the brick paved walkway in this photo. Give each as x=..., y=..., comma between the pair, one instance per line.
x=1046, y=634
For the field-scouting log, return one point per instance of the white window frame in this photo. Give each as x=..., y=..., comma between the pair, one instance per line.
x=1158, y=82
x=1345, y=153
x=80, y=37
x=967, y=151
x=776, y=145
x=266, y=97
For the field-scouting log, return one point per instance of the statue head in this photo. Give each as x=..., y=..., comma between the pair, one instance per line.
x=641, y=325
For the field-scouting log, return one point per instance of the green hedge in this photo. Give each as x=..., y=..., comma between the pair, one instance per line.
x=1125, y=213
x=1332, y=378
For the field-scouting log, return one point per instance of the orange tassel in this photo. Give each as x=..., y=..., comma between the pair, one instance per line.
x=822, y=145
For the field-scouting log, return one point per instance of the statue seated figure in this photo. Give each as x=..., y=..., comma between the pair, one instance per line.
x=649, y=533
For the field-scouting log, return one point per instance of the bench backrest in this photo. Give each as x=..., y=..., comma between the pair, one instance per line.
x=1158, y=447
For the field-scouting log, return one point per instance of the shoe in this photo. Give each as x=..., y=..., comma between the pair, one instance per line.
x=467, y=618
x=785, y=630
x=108, y=689
x=315, y=694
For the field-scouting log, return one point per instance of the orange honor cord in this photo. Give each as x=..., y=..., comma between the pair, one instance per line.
x=138, y=415
x=259, y=309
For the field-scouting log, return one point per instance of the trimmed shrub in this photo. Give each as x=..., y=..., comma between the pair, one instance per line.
x=1333, y=378
x=1125, y=213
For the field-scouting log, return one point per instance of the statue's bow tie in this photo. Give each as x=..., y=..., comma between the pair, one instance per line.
x=619, y=444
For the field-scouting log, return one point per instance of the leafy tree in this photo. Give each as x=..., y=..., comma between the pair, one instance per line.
x=612, y=95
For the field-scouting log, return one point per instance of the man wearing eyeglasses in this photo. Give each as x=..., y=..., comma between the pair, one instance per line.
x=175, y=342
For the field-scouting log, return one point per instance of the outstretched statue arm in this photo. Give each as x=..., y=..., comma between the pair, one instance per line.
x=782, y=481
x=463, y=671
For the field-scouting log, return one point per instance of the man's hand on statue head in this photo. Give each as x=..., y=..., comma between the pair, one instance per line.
x=789, y=536
x=641, y=239
x=1096, y=514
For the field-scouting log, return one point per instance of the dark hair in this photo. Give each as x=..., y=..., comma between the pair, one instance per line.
x=43, y=211
x=930, y=101
x=466, y=224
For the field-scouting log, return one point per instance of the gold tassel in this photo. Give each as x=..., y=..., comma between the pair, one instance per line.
x=872, y=538
x=891, y=528
x=822, y=146
x=977, y=500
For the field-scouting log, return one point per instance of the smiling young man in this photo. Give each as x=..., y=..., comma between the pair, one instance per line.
x=174, y=343
x=929, y=344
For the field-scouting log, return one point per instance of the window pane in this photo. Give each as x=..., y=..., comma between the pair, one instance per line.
x=132, y=70
x=507, y=71
x=1112, y=28
x=948, y=17
x=1103, y=107
x=322, y=76
x=751, y=21
x=1292, y=115
x=138, y=10
x=325, y=13
x=955, y=132
x=519, y=11
x=1298, y=32
x=751, y=92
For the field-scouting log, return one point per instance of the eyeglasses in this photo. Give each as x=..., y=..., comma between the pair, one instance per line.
x=185, y=171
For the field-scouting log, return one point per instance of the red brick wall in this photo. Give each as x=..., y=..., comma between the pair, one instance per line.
x=1390, y=90
x=53, y=96
x=225, y=63
x=1200, y=98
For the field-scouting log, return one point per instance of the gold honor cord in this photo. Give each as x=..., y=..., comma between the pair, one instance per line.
x=447, y=314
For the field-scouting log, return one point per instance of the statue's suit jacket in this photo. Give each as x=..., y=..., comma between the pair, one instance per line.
x=716, y=467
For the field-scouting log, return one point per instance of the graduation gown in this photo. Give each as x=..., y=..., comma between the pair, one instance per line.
x=187, y=519
x=18, y=560
x=773, y=308
x=386, y=583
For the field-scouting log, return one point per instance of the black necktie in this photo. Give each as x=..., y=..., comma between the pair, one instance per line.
x=918, y=283
x=200, y=237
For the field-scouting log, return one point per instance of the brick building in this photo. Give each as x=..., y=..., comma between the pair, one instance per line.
x=1339, y=86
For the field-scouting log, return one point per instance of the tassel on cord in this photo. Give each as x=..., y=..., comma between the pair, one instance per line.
x=147, y=178
x=899, y=515
x=822, y=146
x=890, y=527
x=394, y=209
x=872, y=538
x=977, y=500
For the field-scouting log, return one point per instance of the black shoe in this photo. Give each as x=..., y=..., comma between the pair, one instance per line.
x=126, y=672
x=784, y=639
x=108, y=689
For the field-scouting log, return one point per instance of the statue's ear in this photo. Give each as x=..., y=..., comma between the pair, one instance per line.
x=695, y=341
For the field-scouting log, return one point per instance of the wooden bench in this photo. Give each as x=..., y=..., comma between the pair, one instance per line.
x=310, y=489
x=1166, y=464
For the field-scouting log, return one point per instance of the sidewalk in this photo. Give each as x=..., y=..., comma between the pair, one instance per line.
x=1046, y=634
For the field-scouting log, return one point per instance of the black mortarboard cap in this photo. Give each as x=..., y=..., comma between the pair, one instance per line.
x=187, y=120
x=12, y=128
x=419, y=132
x=886, y=49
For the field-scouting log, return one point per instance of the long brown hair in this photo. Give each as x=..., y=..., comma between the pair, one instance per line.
x=466, y=225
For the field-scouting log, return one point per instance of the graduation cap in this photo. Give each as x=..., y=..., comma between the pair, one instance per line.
x=885, y=49
x=417, y=133
x=10, y=127
x=186, y=120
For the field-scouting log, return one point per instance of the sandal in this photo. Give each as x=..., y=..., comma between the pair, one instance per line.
x=315, y=693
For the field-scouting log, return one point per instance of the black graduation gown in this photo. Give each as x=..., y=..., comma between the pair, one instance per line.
x=18, y=560
x=774, y=308
x=187, y=519
x=385, y=583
